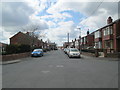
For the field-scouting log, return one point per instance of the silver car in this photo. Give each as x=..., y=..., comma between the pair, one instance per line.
x=74, y=52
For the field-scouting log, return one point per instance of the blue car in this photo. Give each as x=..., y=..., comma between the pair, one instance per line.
x=37, y=52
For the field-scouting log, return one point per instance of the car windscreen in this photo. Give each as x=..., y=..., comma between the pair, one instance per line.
x=37, y=50
x=74, y=50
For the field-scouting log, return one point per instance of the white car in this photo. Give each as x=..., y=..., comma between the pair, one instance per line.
x=74, y=52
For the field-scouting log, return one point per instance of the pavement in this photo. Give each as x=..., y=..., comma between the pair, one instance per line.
x=9, y=62
x=56, y=70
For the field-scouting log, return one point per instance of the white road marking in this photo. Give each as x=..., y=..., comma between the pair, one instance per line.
x=59, y=66
x=45, y=72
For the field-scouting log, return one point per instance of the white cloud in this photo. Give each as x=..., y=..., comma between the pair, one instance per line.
x=96, y=17
x=57, y=16
x=59, y=34
x=14, y=14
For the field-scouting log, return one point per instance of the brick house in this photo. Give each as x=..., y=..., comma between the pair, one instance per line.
x=87, y=42
x=98, y=39
x=26, y=38
x=90, y=40
x=108, y=37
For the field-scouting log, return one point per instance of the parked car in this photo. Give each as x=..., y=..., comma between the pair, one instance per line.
x=74, y=52
x=56, y=49
x=44, y=50
x=66, y=50
x=37, y=52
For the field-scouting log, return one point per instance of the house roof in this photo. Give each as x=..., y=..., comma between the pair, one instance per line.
x=108, y=25
x=16, y=34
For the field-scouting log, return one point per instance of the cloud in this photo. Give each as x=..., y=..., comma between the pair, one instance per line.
x=59, y=34
x=14, y=14
x=95, y=16
x=57, y=16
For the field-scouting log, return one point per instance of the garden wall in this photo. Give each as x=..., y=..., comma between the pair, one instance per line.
x=15, y=56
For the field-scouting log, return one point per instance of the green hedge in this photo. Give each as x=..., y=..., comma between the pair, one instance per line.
x=13, y=49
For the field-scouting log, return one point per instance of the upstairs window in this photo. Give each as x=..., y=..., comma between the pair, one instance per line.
x=108, y=30
x=97, y=34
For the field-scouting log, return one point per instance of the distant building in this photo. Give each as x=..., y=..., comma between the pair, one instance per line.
x=52, y=46
x=66, y=44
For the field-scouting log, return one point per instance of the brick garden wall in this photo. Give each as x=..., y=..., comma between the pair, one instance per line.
x=15, y=56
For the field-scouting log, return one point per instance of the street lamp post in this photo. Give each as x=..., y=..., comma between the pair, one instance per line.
x=79, y=40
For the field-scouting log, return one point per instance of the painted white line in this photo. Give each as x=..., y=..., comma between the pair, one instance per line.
x=45, y=72
x=59, y=66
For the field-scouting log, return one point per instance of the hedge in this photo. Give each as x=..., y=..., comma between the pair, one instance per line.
x=13, y=49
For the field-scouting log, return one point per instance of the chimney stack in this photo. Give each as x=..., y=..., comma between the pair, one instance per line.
x=109, y=20
x=88, y=32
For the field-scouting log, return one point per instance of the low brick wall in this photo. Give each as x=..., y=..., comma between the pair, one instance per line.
x=15, y=56
x=88, y=54
x=113, y=55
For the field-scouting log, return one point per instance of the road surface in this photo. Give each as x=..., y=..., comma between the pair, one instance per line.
x=56, y=70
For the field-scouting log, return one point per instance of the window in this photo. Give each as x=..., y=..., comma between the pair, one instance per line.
x=108, y=30
x=81, y=40
x=76, y=43
x=97, y=34
x=109, y=44
x=98, y=45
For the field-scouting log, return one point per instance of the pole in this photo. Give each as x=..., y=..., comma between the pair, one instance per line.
x=68, y=39
x=80, y=40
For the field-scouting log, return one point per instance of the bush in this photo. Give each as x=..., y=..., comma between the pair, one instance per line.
x=24, y=48
x=13, y=49
x=10, y=49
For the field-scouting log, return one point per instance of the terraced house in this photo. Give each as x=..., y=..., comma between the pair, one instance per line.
x=105, y=40
x=108, y=37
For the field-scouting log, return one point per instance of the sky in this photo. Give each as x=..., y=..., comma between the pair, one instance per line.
x=55, y=18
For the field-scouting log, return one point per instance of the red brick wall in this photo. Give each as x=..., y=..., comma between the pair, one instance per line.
x=15, y=56
x=90, y=40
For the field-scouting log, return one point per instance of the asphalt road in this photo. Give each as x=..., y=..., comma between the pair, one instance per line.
x=56, y=70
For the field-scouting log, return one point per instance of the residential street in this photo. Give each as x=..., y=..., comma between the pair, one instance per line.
x=56, y=70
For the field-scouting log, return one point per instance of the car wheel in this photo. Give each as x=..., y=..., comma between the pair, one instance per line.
x=69, y=56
